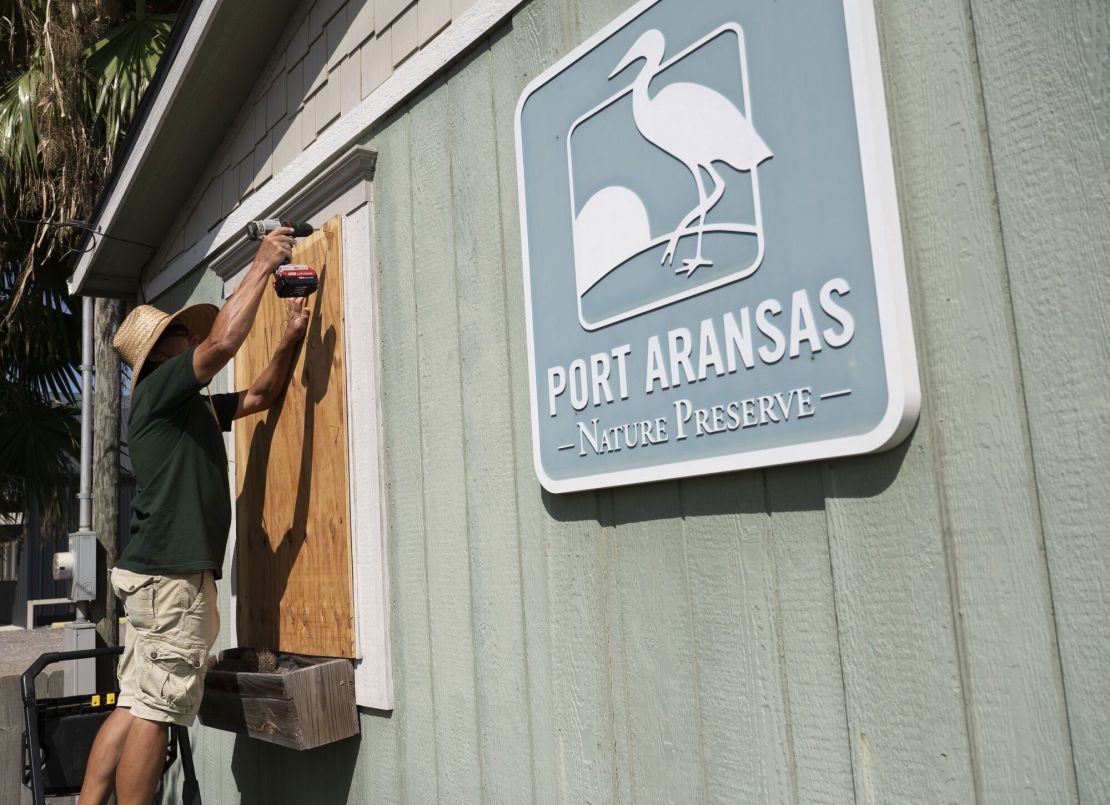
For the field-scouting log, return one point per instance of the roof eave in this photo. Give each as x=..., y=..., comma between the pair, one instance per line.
x=181, y=122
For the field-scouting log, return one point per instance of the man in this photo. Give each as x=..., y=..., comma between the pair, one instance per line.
x=181, y=515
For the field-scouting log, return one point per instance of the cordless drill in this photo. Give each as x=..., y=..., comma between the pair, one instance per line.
x=289, y=280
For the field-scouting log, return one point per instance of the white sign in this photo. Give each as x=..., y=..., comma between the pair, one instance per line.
x=712, y=251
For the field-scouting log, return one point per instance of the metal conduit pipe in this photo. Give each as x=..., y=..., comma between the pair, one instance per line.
x=80, y=634
x=88, y=315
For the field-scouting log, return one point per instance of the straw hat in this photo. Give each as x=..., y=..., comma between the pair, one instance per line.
x=145, y=324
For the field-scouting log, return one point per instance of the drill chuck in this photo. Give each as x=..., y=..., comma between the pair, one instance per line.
x=256, y=230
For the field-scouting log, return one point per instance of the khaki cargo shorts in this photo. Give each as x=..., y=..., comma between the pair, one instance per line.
x=172, y=622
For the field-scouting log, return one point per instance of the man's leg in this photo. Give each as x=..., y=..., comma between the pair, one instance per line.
x=144, y=758
x=172, y=624
x=100, y=772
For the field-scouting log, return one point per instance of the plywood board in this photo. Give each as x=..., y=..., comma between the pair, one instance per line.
x=292, y=512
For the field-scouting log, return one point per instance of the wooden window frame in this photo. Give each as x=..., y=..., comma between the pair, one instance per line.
x=344, y=188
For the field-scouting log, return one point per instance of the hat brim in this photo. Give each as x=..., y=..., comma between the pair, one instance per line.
x=198, y=319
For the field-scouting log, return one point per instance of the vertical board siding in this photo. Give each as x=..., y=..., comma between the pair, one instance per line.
x=973, y=412
x=898, y=648
x=661, y=694
x=402, y=435
x=489, y=473
x=875, y=629
x=813, y=689
x=1045, y=88
x=737, y=658
x=442, y=451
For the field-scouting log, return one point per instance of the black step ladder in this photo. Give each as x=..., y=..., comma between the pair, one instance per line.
x=60, y=733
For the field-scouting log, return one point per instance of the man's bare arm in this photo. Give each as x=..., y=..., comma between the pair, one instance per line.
x=236, y=317
x=268, y=386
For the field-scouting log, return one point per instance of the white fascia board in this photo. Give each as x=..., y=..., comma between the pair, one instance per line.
x=201, y=24
x=471, y=26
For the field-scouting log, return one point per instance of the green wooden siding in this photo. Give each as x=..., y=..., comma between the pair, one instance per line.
x=927, y=625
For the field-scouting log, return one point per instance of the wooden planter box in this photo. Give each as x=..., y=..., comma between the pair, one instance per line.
x=311, y=704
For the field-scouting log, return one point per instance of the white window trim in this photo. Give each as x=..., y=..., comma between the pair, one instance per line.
x=230, y=563
x=345, y=190
x=471, y=25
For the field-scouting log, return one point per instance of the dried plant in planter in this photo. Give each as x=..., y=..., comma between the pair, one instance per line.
x=256, y=661
x=287, y=699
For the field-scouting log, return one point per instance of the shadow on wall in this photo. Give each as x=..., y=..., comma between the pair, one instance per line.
x=262, y=587
x=267, y=774
x=791, y=488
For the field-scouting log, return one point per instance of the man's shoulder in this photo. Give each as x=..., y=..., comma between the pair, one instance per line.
x=175, y=378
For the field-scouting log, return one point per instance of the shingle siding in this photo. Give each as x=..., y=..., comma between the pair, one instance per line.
x=335, y=54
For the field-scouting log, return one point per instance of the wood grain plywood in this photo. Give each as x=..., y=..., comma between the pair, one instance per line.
x=292, y=518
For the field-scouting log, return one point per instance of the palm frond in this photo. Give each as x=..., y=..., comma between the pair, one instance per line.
x=38, y=448
x=40, y=339
x=18, y=25
x=19, y=140
x=71, y=79
x=122, y=64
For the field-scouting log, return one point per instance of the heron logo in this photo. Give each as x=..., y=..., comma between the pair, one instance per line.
x=711, y=250
x=664, y=191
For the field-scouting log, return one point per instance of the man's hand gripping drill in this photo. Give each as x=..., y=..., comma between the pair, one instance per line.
x=277, y=244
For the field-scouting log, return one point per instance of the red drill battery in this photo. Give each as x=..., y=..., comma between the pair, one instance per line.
x=295, y=280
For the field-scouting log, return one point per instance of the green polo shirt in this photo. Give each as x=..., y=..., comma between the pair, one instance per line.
x=181, y=511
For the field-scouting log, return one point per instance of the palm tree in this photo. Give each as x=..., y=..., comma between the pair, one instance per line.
x=71, y=77
x=38, y=388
